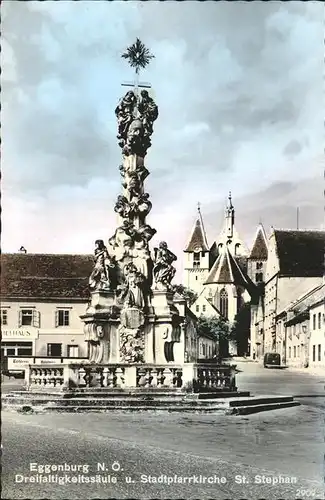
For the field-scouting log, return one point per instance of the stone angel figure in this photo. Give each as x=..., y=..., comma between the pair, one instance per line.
x=163, y=270
x=100, y=276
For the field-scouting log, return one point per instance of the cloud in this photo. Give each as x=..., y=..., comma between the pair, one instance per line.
x=238, y=85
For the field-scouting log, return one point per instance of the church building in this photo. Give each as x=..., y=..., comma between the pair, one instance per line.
x=222, y=275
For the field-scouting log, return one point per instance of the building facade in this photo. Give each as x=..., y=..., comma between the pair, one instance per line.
x=42, y=298
x=295, y=265
x=317, y=332
x=219, y=274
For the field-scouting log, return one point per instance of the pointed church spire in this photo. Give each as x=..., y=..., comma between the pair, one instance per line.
x=230, y=217
x=198, y=240
x=260, y=247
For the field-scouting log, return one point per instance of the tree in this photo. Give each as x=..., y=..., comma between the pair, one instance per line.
x=218, y=327
x=240, y=330
x=189, y=295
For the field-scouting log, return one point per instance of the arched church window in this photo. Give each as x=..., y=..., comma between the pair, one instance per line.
x=237, y=246
x=224, y=303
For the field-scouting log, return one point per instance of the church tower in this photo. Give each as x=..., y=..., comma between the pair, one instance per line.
x=196, y=256
x=258, y=256
x=229, y=237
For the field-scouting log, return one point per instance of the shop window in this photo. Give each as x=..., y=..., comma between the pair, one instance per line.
x=54, y=350
x=62, y=317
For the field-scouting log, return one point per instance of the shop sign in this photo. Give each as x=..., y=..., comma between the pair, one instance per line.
x=20, y=333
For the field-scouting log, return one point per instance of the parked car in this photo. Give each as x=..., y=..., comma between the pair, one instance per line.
x=272, y=360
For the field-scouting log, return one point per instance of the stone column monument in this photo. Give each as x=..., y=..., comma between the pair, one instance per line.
x=131, y=317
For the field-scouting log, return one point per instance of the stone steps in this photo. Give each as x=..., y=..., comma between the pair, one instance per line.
x=249, y=409
x=85, y=402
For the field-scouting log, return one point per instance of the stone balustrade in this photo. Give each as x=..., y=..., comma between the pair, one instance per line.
x=189, y=377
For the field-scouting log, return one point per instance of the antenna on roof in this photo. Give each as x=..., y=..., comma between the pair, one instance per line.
x=22, y=250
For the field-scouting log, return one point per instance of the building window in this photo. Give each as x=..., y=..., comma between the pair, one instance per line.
x=196, y=259
x=289, y=352
x=294, y=351
x=298, y=351
x=73, y=351
x=237, y=246
x=197, y=308
x=17, y=348
x=203, y=254
x=29, y=317
x=203, y=349
x=258, y=277
x=314, y=353
x=204, y=308
x=62, y=317
x=195, y=278
x=314, y=321
x=319, y=357
x=319, y=321
x=54, y=350
x=259, y=265
x=224, y=303
x=4, y=317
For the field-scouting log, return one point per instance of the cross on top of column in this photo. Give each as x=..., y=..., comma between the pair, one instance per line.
x=138, y=57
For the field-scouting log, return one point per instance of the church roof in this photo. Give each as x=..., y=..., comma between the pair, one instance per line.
x=227, y=270
x=259, y=250
x=45, y=276
x=300, y=253
x=198, y=239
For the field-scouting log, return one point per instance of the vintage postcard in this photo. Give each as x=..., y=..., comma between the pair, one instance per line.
x=163, y=249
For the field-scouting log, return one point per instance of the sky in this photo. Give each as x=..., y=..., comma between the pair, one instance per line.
x=239, y=88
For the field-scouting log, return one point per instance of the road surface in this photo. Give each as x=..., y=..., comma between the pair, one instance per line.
x=239, y=454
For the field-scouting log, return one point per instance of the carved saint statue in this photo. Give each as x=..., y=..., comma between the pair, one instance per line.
x=163, y=270
x=131, y=293
x=148, y=111
x=100, y=276
x=124, y=113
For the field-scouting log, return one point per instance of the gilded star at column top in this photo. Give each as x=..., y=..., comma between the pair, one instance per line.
x=137, y=55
